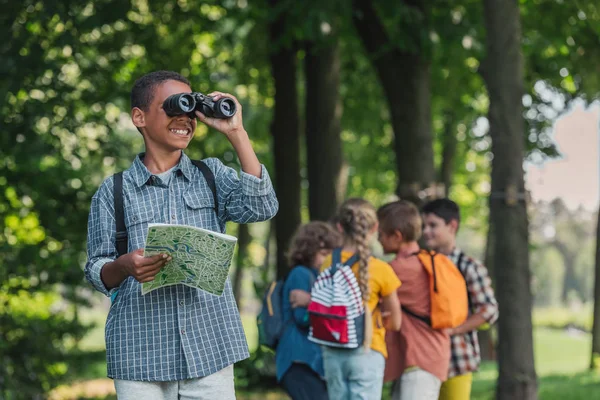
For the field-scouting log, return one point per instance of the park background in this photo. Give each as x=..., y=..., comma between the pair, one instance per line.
x=490, y=102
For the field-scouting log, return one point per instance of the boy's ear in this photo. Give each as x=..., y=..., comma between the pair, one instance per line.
x=453, y=225
x=138, y=117
x=339, y=227
x=398, y=236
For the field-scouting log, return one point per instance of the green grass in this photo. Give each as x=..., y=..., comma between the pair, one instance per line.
x=561, y=358
x=561, y=361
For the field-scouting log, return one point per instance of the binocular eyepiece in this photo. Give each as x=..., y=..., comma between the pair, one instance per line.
x=187, y=103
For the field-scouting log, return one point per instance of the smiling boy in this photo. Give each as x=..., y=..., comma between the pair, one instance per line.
x=441, y=220
x=176, y=342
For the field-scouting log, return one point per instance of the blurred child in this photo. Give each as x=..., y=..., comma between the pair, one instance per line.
x=418, y=354
x=358, y=373
x=299, y=361
x=442, y=219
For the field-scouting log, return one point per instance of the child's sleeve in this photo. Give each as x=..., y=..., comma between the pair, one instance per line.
x=244, y=198
x=101, y=235
x=389, y=281
x=300, y=279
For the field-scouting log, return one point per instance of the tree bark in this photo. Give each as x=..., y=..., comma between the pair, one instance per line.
x=595, y=359
x=405, y=79
x=487, y=338
x=503, y=74
x=244, y=240
x=286, y=139
x=323, y=128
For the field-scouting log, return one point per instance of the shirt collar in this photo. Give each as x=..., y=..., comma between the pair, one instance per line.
x=141, y=174
x=455, y=253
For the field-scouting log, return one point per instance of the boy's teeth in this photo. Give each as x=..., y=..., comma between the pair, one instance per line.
x=180, y=131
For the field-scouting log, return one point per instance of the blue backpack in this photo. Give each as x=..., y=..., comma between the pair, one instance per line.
x=270, y=320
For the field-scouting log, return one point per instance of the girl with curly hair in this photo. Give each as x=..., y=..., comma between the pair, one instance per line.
x=299, y=361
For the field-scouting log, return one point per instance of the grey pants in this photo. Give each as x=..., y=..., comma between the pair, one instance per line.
x=216, y=386
x=416, y=384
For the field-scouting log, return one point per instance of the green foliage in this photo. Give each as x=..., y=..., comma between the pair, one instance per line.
x=67, y=69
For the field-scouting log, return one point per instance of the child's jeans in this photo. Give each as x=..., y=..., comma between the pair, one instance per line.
x=216, y=386
x=416, y=384
x=353, y=374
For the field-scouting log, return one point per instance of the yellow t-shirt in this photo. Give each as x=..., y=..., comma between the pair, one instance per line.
x=382, y=282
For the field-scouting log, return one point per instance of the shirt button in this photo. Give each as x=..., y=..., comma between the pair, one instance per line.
x=181, y=303
x=183, y=331
x=173, y=217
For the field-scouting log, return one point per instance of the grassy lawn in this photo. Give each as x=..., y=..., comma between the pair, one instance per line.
x=561, y=361
x=561, y=358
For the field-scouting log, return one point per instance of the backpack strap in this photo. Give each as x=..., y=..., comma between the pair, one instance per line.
x=121, y=242
x=423, y=318
x=210, y=179
x=336, y=256
x=432, y=253
x=336, y=259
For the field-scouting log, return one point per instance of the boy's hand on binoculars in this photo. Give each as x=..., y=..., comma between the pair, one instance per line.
x=230, y=127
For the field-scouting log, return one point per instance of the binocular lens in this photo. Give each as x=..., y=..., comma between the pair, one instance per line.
x=186, y=103
x=227, y=107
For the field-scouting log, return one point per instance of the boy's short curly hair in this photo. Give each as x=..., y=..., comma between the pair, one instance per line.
x=309, y=240
x=142, y=92
x=402, y=216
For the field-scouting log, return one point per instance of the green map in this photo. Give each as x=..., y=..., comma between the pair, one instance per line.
x=201, y=258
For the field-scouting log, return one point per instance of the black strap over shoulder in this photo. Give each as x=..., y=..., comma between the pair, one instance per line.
x=122, y=238
x=210, y=179
x=423, y=318
x=121, y=242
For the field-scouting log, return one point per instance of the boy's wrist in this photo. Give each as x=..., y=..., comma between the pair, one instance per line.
x=113, y=274
x=238, y=137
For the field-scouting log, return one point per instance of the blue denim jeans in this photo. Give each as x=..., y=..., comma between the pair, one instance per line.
x=353, y=374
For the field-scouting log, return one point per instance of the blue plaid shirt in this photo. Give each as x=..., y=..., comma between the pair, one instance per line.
x=176, y=332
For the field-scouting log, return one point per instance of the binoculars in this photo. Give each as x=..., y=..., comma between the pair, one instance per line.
x=187, y=103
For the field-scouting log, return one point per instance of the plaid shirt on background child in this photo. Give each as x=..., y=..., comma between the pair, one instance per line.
x=466, y=355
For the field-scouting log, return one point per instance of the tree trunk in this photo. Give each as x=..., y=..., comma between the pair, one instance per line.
x=323, y=127
x=595, y=361
x=405, y=79
x=487, y=338
x=244, y=240
x=503, y=75
x=448, y=153
x=286, y=140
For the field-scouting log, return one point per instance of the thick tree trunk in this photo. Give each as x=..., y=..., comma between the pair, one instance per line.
x=405, y=79
x=244, y=240
x=286, y=140
x=323, y=127
x=503, y=74
x=595, y=361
